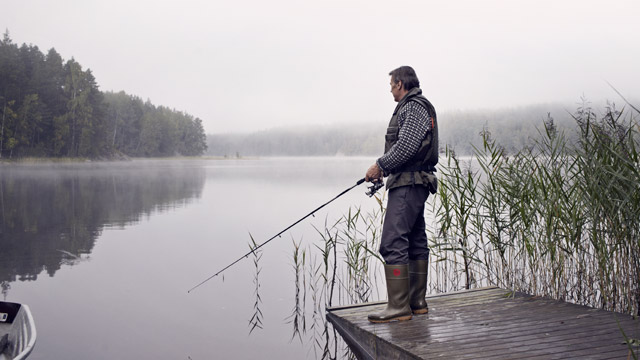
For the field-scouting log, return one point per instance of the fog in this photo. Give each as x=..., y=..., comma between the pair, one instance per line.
x=252, y=65
x=513, y=128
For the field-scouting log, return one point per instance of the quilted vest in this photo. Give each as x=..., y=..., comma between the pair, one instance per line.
x=420, y=168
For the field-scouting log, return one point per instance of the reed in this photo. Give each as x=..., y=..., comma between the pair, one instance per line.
x=298, y=315
x=317, y=274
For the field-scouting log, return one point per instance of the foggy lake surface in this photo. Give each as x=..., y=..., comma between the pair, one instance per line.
x=104, y=253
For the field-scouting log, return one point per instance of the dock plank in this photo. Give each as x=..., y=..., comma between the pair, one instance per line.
x=488, y=323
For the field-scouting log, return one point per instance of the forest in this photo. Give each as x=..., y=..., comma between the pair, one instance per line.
x=50, y=107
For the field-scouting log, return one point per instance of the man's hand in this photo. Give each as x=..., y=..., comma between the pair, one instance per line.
x=374, y=174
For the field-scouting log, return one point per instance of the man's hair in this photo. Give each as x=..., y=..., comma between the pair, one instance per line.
x=407, y=75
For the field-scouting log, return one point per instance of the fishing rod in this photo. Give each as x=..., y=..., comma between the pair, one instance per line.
x=372, y=190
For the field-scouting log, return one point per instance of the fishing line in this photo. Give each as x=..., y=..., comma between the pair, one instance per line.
x=372, y=190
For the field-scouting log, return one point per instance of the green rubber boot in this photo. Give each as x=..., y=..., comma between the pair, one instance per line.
x=398, y=293
x=418, y=270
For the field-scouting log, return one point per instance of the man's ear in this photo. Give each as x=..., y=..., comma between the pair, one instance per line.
x=400, y=84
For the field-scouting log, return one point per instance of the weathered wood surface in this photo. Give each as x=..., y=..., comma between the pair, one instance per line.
x=489, y=323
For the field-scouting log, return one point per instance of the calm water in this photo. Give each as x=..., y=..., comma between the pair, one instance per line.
x=104, y=253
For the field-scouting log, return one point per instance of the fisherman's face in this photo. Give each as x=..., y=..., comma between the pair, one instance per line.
x=396, y=89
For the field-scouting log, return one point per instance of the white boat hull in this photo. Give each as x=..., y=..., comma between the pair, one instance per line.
x=17, y=331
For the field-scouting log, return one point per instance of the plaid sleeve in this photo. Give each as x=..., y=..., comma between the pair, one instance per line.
x=414, y=126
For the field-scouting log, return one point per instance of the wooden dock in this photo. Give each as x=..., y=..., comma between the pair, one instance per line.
x=489, y=323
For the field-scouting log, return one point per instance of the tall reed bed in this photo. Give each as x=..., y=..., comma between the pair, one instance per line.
x=557, y=219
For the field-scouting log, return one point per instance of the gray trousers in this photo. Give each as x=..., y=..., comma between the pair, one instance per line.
x=404, y=236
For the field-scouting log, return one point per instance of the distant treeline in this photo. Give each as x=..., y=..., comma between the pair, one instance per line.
x=299, y=141
x=53, y=108
x=514, y=128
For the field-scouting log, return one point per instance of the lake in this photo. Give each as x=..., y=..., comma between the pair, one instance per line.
x=104, y=253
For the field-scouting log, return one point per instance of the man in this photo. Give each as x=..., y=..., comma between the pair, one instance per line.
x=409, y=160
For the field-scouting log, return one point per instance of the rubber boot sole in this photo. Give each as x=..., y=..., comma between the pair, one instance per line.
x=420, y=311
x=399, y=318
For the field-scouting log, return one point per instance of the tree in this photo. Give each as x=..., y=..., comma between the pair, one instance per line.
x=8, y=117
x=84, y=120
x=193, y=139
x=27, y=124
x=52, y=98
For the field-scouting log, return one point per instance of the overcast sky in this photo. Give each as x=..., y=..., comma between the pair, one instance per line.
x=245, y=65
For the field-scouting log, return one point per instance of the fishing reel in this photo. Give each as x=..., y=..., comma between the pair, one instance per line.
x=375, y=186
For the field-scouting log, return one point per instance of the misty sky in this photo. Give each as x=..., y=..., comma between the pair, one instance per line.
x=248, y=65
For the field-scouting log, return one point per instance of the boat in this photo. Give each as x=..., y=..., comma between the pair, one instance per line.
x=17, y=331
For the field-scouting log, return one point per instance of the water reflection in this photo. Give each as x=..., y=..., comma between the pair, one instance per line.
x=320, y=337
x=256, y=319
x=344, y=268
x=315, y=279
x=51, y=215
